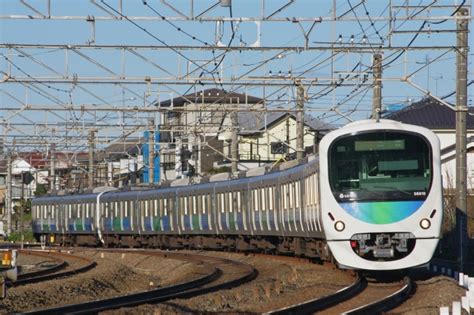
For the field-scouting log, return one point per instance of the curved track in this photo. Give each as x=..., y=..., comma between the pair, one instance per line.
x=53, y=272
x=222, y=274
x=376, y=298
x=324, y=302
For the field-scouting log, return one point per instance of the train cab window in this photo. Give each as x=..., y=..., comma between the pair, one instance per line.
x=382, y=165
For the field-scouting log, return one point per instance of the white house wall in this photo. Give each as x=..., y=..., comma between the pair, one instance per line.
x=449, y=168
x=277, y=133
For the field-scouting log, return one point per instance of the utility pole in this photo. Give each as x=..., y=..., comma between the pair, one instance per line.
x=461, y=111
x=90, y=175
x=8, y=200
x=52, y=170
x=299, y=121
x=234, y=150
x=377, y=96
x=151, y=153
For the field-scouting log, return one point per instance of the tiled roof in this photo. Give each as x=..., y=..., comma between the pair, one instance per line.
x=210, y=96
x=252, y=122
x=431, y=114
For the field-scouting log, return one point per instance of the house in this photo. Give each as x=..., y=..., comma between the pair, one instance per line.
x=269, y=137
x=193, y=127
x=441, y=120
x=198, y=128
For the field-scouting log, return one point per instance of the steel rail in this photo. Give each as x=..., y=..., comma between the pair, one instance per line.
x=186, y=289
x=320, y=304
x=51, y=273
x=387, y=303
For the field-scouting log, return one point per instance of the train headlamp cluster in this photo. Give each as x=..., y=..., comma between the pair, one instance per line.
x=425, y=224
x=339, y=226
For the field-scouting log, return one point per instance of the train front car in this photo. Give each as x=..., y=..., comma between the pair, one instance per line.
x=381, y=194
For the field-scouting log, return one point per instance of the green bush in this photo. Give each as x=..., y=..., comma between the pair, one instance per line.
x=16, y=236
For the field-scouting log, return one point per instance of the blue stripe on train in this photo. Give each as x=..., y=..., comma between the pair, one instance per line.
x=257, y=219
x=205, y=222
x=148, y=224
x=126, y=224
x=187, y=225
x=223, y=221
x=107, y=224
x=271, y=219
x=88, y=224
x=166, y=223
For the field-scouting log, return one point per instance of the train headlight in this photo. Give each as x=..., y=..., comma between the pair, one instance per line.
x=425, y=224
x=339, y=226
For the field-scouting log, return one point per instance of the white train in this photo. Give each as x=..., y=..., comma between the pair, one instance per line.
x=374, y=195
x=381, y=194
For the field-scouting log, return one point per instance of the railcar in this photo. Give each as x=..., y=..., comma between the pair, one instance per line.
x=371, y=200
x=275, y=210
x=381, y=191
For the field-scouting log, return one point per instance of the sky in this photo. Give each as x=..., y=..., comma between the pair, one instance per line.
x=161, y=73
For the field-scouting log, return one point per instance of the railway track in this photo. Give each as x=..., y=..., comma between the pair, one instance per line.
x=342, y=301
x=66, y=265
x=375, y=298
x=222, y=274
x=323, y=303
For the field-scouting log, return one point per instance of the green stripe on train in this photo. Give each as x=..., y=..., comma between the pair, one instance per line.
x=195, y=218
x=79, y=226
x=156, y=223
x=232, y=221
x=116, y=224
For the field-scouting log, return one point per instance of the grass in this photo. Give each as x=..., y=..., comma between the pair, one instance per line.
x=16, y=236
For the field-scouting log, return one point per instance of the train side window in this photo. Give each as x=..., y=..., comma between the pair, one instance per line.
x=263, y=199
x=291, y=191
x=230, y=201
x=222, y=202
x=198, y=201
x=165, y=206
x=297, y=194
x=255, y=200
x=271, y=193
x=195, y=205
x=204, y=203
x=238, y=204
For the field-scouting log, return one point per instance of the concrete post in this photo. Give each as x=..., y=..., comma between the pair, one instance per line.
x=151, y=152
x=377, y=96
x=90, y=171
x=234, y=142
x=9, y=196
x=52, y=170
x=461, y=111
x=300, y=122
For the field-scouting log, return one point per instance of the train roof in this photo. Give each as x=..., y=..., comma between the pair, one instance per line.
x=284, y=170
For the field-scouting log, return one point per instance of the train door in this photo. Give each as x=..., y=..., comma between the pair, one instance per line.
x=173, y=205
